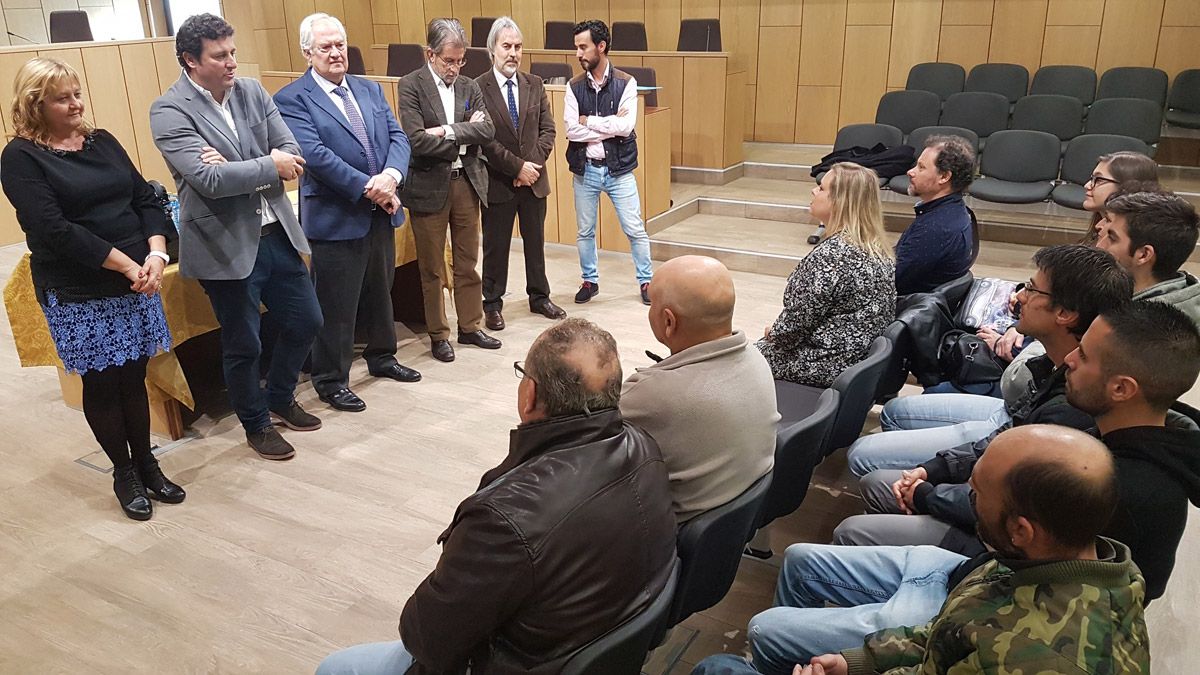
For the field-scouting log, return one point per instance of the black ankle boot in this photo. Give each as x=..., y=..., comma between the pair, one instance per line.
x=157, y=485
x=131, y=494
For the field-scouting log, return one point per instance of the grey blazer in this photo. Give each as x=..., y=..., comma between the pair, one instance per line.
x=220, y=213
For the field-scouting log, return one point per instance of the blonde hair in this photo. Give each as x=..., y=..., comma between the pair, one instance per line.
x=857, y=214
x=38, y=79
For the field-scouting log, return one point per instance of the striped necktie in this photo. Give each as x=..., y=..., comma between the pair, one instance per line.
x=358, y=127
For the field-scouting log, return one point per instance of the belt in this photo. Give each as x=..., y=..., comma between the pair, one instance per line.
x=597, y=162
x=455, y=174
x=270, y=228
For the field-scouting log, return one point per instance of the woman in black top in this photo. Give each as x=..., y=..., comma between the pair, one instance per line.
x=97, y=238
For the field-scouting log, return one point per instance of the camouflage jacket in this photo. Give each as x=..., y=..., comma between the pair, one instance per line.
x=1063, y=617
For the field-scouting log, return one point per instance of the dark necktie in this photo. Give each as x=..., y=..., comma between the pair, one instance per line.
x=358, y=127
x=512, y=106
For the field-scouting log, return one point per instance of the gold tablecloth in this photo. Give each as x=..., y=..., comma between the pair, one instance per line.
x=186, y=306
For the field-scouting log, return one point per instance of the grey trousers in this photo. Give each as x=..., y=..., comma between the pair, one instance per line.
x=884, y=524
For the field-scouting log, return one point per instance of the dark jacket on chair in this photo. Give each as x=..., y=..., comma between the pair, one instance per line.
x=568, y=537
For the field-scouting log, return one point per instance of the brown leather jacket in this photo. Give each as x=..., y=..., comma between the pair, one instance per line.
x=569, y=536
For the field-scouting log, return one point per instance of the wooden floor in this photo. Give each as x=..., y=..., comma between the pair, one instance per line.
x=267, y=566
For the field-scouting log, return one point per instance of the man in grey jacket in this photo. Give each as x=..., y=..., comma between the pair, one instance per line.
x=229, y=152
x=710, y=406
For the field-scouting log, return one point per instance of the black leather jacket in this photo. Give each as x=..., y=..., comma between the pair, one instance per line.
x=569, y=536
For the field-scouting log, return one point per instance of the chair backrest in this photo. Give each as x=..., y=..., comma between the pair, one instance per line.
x=1185, y=91
x=699, y=35
x=629, y=36
x=1021, y=156
x=1077, y=81
x=478, y=62
x=480, y=27
x=856, y=386
x=645, y=78
x=895, y=372
x=918, y=137
x=404, y=59
x=867, y=135
x=955, y=291
x=354, y=61
x=983, y=112
x=908, y=109
x=1135, y=117
x=1051, y=113
x=622, y=650
x=710, y=549
x=549, y=70
x=1134, y=82
x=560, y=35
x=799, y=448
x=70, y=26
x=1009, y=79
x=1083, y=152
x=943, y=79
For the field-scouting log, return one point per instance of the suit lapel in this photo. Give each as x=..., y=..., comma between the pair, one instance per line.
x=523, y=107
x=245, y=135
x=318, y=96
x=432, y=94
x=460, y=100
x=494, y=97
x=376, y=125
x=204, y=108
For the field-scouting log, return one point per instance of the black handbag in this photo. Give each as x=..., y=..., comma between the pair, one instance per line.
x=965, y=358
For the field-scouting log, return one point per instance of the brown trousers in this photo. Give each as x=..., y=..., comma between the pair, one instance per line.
x=429, y=234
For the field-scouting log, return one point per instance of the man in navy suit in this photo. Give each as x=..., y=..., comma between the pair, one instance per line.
x=356, y=157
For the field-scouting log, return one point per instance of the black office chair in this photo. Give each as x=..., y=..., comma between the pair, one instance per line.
x=1183, y=106
x=622, y=650
x=1080, y=159
x=699, y=35
x=799, y=448
x=70, y=26
x=548, y=71
x=710, y=550
x=480, y=27
x=629, y=36
x=943, y=79
x=917, y=140
x=1135, y=117
x=478, y=62
x=908, y=110
x=1018, y=167
x=954, y=292
x=354, y=61
x=1077, y=81
x=404, y=59
x=1008, y=79
x=560, y=35
x=895, y=372
x=1134, y=82
x=645, y=77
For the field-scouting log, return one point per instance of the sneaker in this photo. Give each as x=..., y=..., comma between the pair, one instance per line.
x=270, y=445
x=587, y=291
x=646, y=293
x=294, y=418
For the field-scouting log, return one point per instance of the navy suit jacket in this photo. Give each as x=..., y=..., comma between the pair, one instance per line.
x=332, y=204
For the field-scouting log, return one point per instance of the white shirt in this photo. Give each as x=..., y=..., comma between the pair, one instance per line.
x=516, y=88
x=599, y=127
x=446, y=92
x=328, y=87
x=268, y=214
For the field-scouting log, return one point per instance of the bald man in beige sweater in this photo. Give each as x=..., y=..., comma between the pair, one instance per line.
x=711, y=404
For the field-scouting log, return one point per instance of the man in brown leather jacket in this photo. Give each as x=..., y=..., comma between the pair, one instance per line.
x=568, y=537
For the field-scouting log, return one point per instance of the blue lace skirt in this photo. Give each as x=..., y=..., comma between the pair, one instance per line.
x=95, y=334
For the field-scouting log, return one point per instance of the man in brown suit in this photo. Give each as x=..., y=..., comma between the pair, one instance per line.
x=445, y=120
x=518, y=185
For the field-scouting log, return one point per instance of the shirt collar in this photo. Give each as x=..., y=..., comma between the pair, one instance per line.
x=503, y=81
x=437, y=79
x=208, y=94
x=326, y=85
x=922, y=207
x=607, y=73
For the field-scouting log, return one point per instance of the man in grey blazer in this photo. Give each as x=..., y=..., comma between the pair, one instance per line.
x=445, y=120
x=229, y=152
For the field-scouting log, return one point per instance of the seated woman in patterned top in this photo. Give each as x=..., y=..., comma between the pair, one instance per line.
x=842, y=294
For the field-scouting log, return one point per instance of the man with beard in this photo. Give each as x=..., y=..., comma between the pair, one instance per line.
x=1052, y=594
x=600, y=113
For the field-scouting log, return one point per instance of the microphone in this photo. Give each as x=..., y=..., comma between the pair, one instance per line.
x=12, y=34
x=707, y=35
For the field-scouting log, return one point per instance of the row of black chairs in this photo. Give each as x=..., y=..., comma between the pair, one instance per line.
x=695, y=35
x=1011, y=80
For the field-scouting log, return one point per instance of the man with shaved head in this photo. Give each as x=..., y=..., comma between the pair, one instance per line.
x=710, y=405
x=542, y=559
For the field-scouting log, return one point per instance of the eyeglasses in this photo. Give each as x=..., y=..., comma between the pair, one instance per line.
x=452, y=64
x=1097, y=180
x=1028, y=287
x=325, y=49
x=519, y=370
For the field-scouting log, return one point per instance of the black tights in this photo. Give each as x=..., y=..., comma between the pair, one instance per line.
x=118, y=411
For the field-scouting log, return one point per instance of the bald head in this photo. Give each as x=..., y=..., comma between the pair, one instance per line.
x=691, y=301
x=575, y=367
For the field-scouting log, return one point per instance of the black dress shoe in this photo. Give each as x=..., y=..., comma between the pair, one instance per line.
x=270, y=445
x=442, y=351
x=398, y=373
x=157, y=485
x=343, y=399
x=479, y=339
x=131, y=494
x=549, y=310
x=294, y=418
x=494, y=319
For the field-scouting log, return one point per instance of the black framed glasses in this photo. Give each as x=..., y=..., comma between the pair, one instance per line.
x=519, y=370
x=1028, y=287
x=1097, y=180
x=451, y=64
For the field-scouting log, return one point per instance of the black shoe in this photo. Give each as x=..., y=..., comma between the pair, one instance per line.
x=479, y=339
x=270, y=445
x=157, y=485
x=294, y=418
x=493, y=319
x=587, y=291
x=343, y=399
x=442, y=351
x=757, y=553
x=549, y=310
x=645, y=293
x=131, y=494
x=398, y=373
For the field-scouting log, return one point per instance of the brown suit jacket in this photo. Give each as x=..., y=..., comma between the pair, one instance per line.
x=531, y=141
x=427, y=184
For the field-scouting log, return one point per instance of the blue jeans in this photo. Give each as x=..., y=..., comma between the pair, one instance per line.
x=623, y=191
x=985, y=389
x=874, y=587
x=915, y=428
x=374, y=658
x=280, y=281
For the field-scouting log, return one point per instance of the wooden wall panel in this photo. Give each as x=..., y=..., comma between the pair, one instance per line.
x=780, y=13
x=822, y=38
x=916, y=27
x=356, y=16
x=1129, y=35
x=739, y=36
x=294, y=11
x=967, y=12
x=592, y=9
x=436, y=9
x=865, y=77
x=748, y=112
x=411, y=22
x=872, y=12
x=528, y=15
x=384, y=11
x=965, y=45
x=1181, y=13
x=1070, y=45
x=242, y=14
x=387, y=34
x=775, y=105
x=142, y=85
x=1177, y=49
x=266, y=14
x=464, y=10
x=496, y=8
x=816, y=114
x=670, y=77
x=698, y=9
x=628, y=10
x=703, y=81
x=273, y=46
x=1017, y=30
x=662, y=24
x=1074, y=13
x=558, y=10
x=166, y=63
